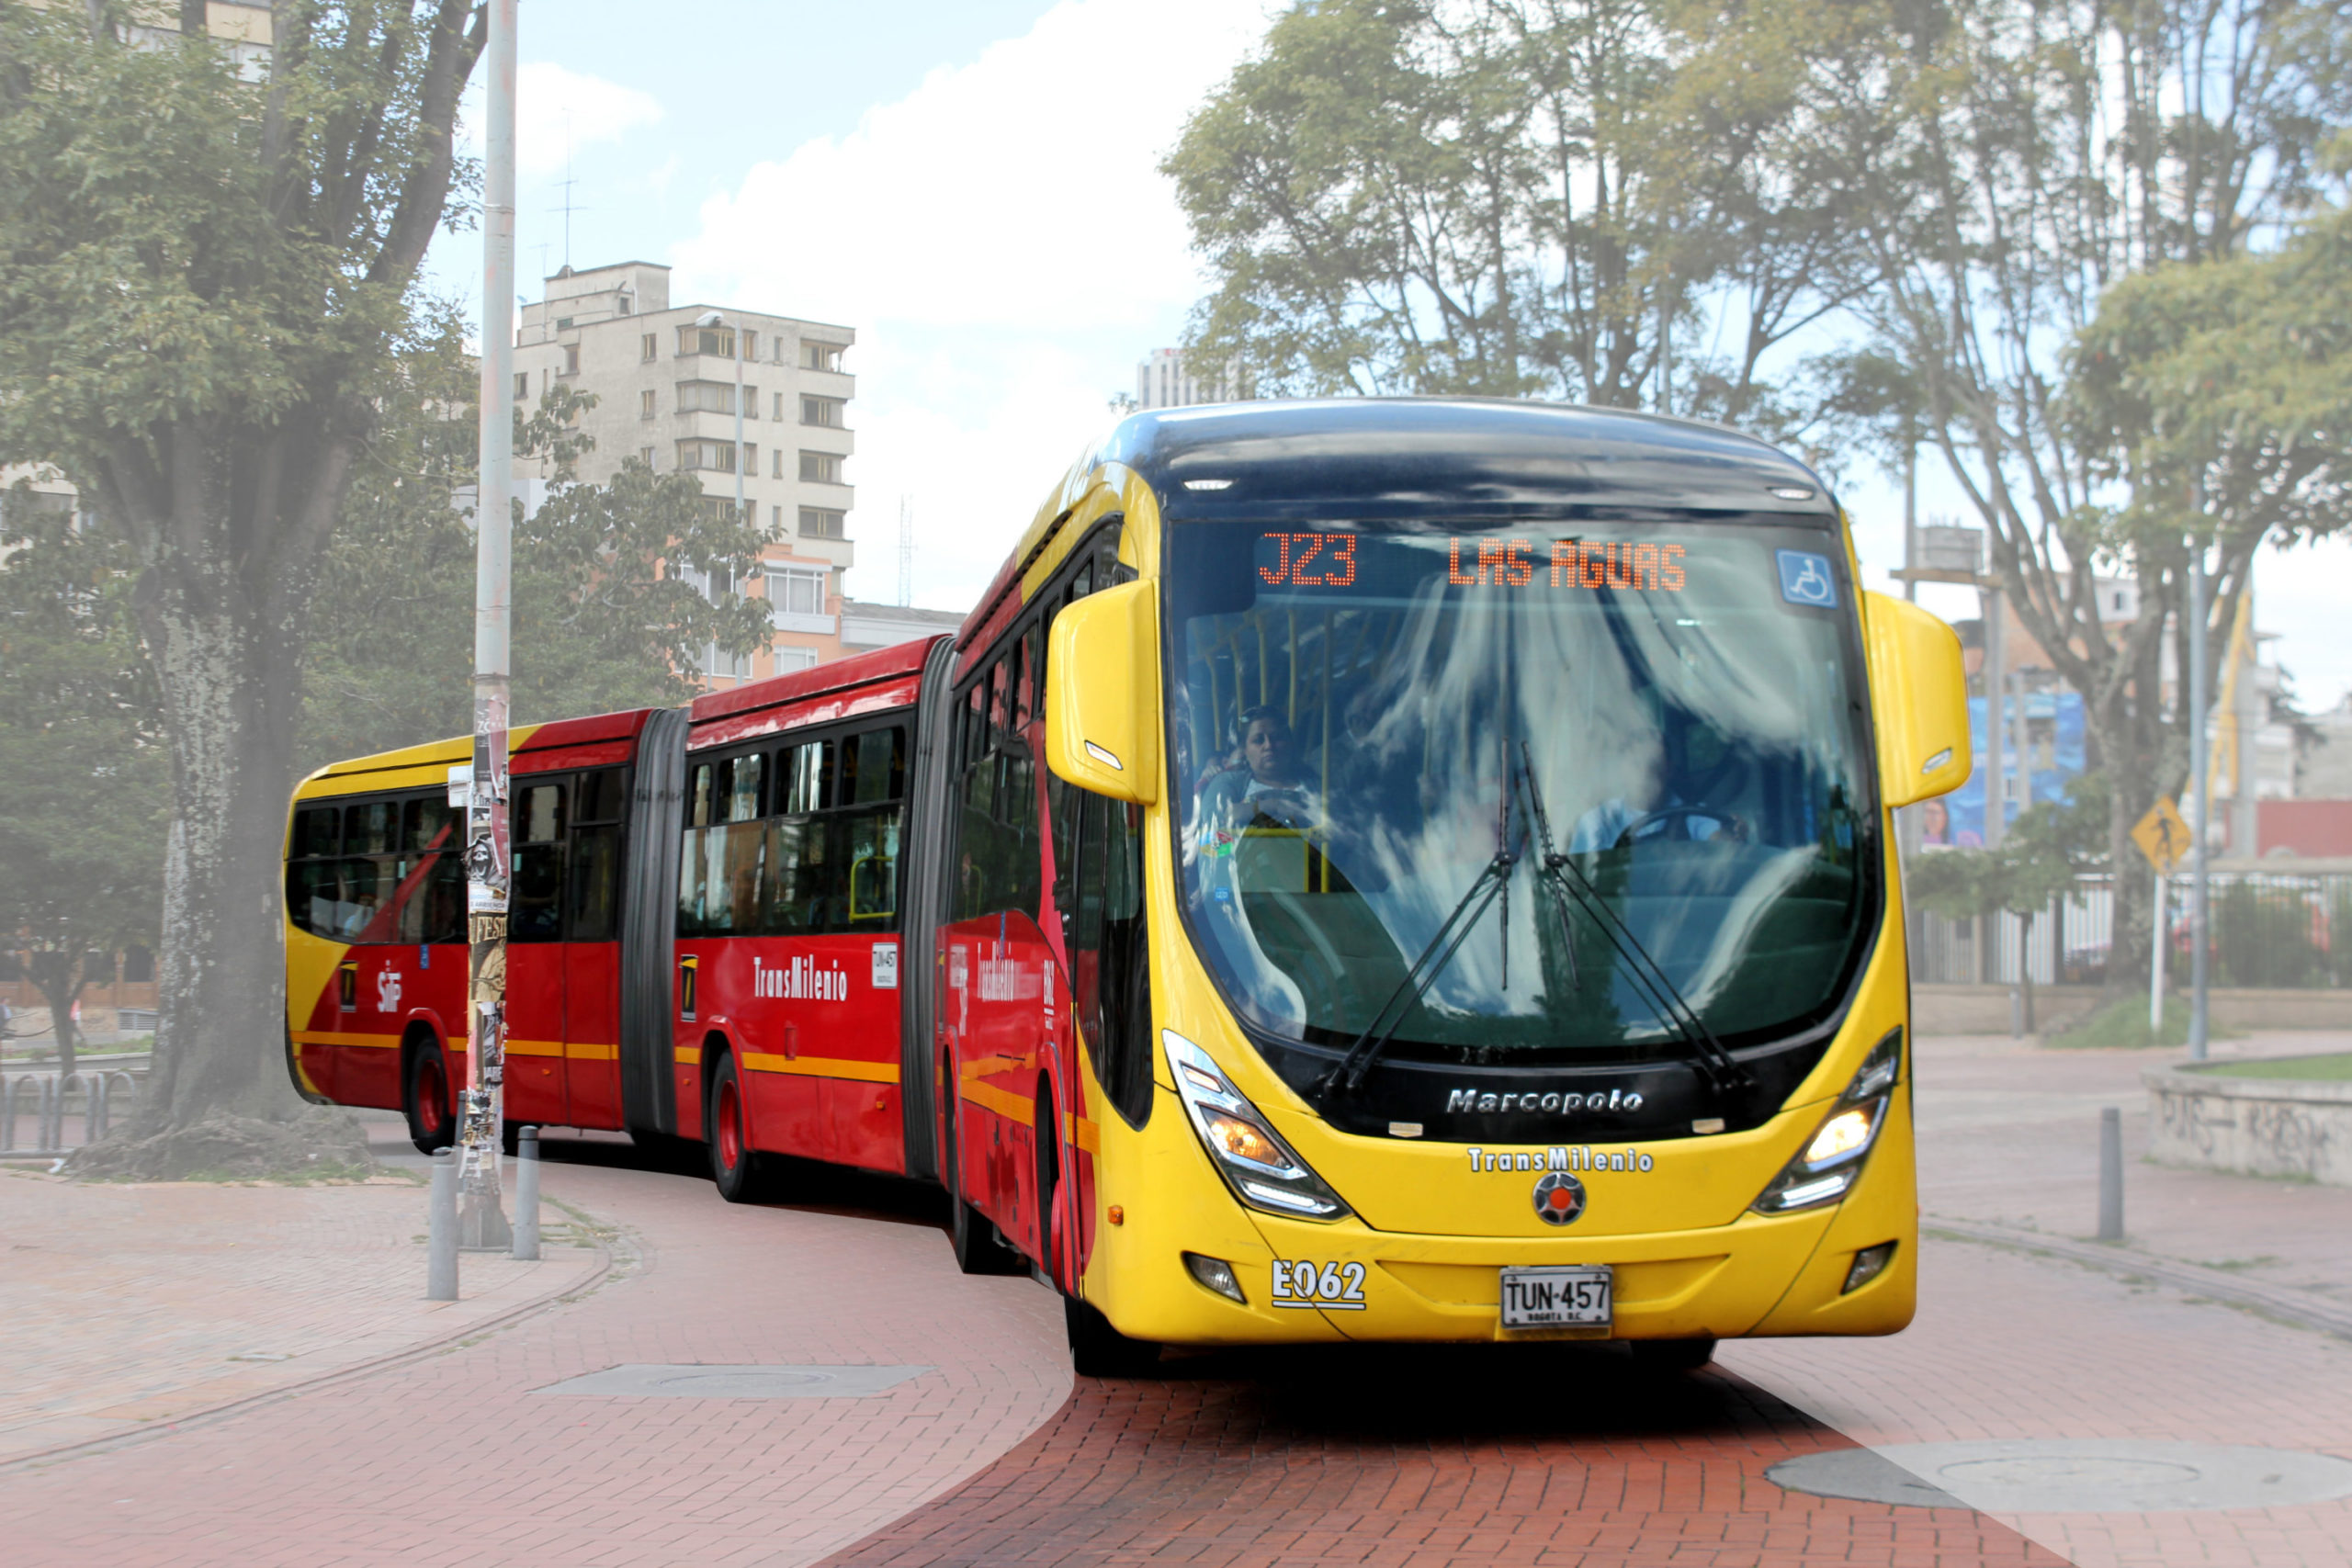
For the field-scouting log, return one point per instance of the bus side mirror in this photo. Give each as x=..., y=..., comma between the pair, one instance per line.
x=1102, y=694
x=1918, y=698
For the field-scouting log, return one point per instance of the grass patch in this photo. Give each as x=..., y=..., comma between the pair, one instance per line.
x=2123, y=1026
x=2334, y=1068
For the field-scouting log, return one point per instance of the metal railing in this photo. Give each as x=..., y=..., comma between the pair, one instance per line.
x=46, y=1097
x=2270, y=929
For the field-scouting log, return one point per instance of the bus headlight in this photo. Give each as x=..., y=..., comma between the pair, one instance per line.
x=1832, y=1159
x=1262, y=1170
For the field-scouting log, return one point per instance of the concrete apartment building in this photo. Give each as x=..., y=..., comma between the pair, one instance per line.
x=1163, y=380
x=666, y=380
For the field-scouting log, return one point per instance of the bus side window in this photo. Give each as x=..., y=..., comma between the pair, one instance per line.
x=535, y=909
x=1111, y=955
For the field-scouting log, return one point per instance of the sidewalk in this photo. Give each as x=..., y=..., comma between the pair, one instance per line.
x=2014, y=1344
x=131, y=1307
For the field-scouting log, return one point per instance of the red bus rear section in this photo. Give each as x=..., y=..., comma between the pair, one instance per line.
x=802, y=857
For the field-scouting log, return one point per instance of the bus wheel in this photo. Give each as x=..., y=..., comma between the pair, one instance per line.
x=734, y=1166
x=1673, y=1356
x=1098, y=1350
x=431, y=1123
x=979, y=1250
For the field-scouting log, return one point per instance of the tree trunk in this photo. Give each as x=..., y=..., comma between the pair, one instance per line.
x=57, y=975
x=230, y=692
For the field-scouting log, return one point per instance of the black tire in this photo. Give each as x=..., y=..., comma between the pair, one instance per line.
x=1673, y=1356
x=734, y=1164
x=426, y=1096
x=978, y=1249
x=1098, y=1350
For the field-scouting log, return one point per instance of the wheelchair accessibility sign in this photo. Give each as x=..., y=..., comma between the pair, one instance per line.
x=1804, y=579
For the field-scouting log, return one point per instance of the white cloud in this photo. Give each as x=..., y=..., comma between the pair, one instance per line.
x=1006, y=248
x=559, y=112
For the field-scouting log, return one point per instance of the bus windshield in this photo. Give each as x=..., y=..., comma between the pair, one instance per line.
x=1367, y=717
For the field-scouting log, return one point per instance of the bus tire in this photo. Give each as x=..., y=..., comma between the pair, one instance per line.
x=424, y=1095
x=1098, y=1350
x=1673, y=1356
x=734, y=1164
x=979, y=1249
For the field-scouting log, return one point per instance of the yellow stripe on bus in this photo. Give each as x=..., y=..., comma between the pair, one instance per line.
x=820, y=1067
x=990, y=1098
x=1081, y=1132
x=535, y=1047
x=591, y=1051
x=688, y=1056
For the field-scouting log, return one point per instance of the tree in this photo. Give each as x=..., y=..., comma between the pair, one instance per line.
x=2005, y=166
x=607, y=613
x=1506, y=198
x=2037, y=861
x=205, y=285
x=84, y=796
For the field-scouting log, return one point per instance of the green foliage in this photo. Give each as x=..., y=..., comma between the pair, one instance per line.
x=84, y=785
x=2334, y=1068
x=2037, y=860
x=1492, y=197
x=605, y=613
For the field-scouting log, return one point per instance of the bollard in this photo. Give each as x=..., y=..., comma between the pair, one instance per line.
x=2110, y=1174
x=527, y=1195
x=441, y=1237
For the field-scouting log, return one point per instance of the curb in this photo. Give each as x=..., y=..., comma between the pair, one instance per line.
x=2301, y=1308
x=324, y=1379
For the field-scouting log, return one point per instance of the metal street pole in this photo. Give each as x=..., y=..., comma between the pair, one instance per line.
x=481, y=1220
x=2201, y=763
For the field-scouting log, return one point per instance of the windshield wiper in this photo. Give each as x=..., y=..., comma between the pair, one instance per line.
x=1723, y=1071
x=1349, y=1073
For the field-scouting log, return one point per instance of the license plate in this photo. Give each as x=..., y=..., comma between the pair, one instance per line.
x=1558, y=1298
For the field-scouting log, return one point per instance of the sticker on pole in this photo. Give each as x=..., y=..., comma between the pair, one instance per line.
x=2162, y=835
x=1805, y=579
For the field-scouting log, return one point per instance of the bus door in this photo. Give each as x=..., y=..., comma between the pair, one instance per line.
x=592, y=950
x=865, y=825
x=534, y=955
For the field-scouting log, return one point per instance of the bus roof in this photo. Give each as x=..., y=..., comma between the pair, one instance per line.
x=523, y=738
x=1331, y=460
x=866, y=683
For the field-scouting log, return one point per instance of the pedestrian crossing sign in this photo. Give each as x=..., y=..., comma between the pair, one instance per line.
x=2161, y=834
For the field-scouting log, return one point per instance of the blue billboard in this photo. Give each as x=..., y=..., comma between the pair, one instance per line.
x=2053, y=758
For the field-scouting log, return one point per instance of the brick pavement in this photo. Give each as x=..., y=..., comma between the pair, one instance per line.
x=2013, y=1346
x=1561, y=1456
x=129, y=1307
x=454, y=1459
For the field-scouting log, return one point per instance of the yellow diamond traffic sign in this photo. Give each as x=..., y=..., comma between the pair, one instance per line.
x=2161, y=834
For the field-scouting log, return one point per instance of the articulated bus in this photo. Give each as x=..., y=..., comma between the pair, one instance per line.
x=1384, y=870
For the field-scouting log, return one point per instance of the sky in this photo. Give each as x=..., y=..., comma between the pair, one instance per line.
x=972, y=185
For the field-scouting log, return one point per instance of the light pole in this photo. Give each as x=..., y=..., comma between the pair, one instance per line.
x=481, y=1220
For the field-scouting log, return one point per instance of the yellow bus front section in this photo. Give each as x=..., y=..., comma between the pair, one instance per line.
x=1421, y=1257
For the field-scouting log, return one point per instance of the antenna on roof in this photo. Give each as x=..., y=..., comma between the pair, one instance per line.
x=906, y=550
x=569, y=207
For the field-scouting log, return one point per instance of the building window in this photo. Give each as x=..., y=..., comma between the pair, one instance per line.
x=571, y=359
x=645, y=405
x=646, y=453
x=751, y=346
x=719, y=340
x=622, y=305
x=822, y=522
x=734, y=666
x=826, y=411
x=789, y=659
x=796, y=590
x=718, y=456
x=821, y=356
x=522, y=386
x=751, y=403
x=779, y=464
x=648, y=346
x=706, y=397
x=751, y=456
x=779, y=408
x=820, y=468
x=722, y=508
x=776, y=519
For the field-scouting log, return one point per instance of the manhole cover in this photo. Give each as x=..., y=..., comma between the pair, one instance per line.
x=2069, y=1476
x=693, y=1380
